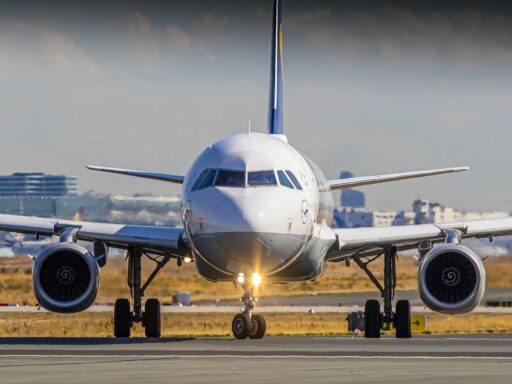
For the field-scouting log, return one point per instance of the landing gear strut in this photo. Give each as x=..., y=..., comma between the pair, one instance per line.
x=375, y=320
x=124, y=316
x=246, y=324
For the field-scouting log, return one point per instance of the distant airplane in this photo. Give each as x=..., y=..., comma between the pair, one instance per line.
x=29, y=247
x=256, y=209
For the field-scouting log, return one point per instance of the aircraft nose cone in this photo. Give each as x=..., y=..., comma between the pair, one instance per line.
x=244, y=214
x=260, y=215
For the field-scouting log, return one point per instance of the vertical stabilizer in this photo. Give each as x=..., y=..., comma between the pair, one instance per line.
x=275, y=110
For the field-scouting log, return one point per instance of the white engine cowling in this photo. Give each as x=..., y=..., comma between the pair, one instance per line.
x=451, y=279
x=65, y=278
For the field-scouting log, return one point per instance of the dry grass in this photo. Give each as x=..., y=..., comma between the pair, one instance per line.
x=181, y=325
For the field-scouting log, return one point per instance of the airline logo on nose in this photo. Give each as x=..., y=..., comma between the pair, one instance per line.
x=304, y=211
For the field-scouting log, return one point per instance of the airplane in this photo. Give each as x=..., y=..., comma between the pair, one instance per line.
x=254, y=209
x=29, y=247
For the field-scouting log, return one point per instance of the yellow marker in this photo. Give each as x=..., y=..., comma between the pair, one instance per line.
x=418, y=324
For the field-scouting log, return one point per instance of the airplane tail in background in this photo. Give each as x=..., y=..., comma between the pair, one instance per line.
x=275, y=110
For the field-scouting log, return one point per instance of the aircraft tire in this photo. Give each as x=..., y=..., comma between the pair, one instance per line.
x=372, y=319
x=122, y=318
x=403, y=319
x=152, y=320
x=241, y=326
x=258, y=327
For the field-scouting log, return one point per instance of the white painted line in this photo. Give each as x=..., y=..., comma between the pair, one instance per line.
x=380, y=357
x=414, y=339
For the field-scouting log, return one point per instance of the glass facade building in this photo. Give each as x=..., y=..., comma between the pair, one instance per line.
x=37, y=185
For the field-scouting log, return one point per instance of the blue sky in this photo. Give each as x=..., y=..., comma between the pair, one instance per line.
x=374, y=87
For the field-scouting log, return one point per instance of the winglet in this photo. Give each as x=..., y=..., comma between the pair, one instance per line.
x=146, y=175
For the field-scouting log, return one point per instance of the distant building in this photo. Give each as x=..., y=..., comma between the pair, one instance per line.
x=360, y=217
x=34, y=194
x=37, y=185
x=428, y=212
x=350, y=197
x=424, y=212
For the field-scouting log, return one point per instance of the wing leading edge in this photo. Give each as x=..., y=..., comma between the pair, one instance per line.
x=352, y=240
x=165, y=239
x=367, y=180
x=146, y=175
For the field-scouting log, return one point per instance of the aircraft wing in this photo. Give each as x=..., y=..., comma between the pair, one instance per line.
x=159, y=239
x=145, y=175
x=368, y=240
x=367, y=180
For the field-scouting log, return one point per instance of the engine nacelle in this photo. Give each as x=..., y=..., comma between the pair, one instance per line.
x=65, y=278
x=451, y=279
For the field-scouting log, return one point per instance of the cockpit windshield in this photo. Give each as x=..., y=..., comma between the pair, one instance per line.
x=230, y=179
x=237, y=179
x=261, y=179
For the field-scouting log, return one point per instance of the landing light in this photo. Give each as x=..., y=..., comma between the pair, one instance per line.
x=240, y=279
x=187, y=259
x=256, y=279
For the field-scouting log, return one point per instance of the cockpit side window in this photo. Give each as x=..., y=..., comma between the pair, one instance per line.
x=208, y=180
x=284, y=181
x=294, y=180
x=261, y=179
x=199, y=180
x=204, y=180
x=234, y=179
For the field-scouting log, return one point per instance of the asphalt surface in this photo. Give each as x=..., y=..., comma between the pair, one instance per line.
x=426, y=359
x=351, y=299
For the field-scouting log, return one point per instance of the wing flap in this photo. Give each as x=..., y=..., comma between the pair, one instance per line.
x=367, y=180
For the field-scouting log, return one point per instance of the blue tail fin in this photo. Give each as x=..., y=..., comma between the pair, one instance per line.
x=275, y=109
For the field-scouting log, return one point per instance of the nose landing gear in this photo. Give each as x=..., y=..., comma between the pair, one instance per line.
x=246, y=324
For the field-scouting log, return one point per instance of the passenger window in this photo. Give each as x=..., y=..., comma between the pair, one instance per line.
x=285, y=182
x=294, y=180
x=199, y=180
x=208, y=179
x=230, y=179
x=261, y=179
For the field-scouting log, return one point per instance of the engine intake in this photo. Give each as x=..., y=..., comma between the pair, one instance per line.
x=451, y=279
x=65, y=277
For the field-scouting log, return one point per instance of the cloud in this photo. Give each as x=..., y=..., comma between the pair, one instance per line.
x=134, y=39
x=33, y=49
x=465, y=38
x=177, y=38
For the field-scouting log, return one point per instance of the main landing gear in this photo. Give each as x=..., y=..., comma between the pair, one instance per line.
x=374, y=319
x=124, y=315
x=246, y=324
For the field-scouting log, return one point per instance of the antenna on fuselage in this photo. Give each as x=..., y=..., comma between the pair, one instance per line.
x=249, y=125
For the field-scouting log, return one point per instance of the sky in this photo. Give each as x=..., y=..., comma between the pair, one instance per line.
x=369, y=86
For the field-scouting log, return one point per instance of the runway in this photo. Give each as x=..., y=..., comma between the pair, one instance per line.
x=458, y=359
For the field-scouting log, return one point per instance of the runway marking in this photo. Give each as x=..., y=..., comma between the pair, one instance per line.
x=437, y=339
x=220, y=356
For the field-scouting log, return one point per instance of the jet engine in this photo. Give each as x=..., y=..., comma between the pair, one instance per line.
x=65, y=277
x=451, y=279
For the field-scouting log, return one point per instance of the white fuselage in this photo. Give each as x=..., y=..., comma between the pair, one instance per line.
x=253, y=203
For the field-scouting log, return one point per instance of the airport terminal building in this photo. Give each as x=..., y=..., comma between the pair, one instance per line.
x=37, y=185
x=34, y=194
